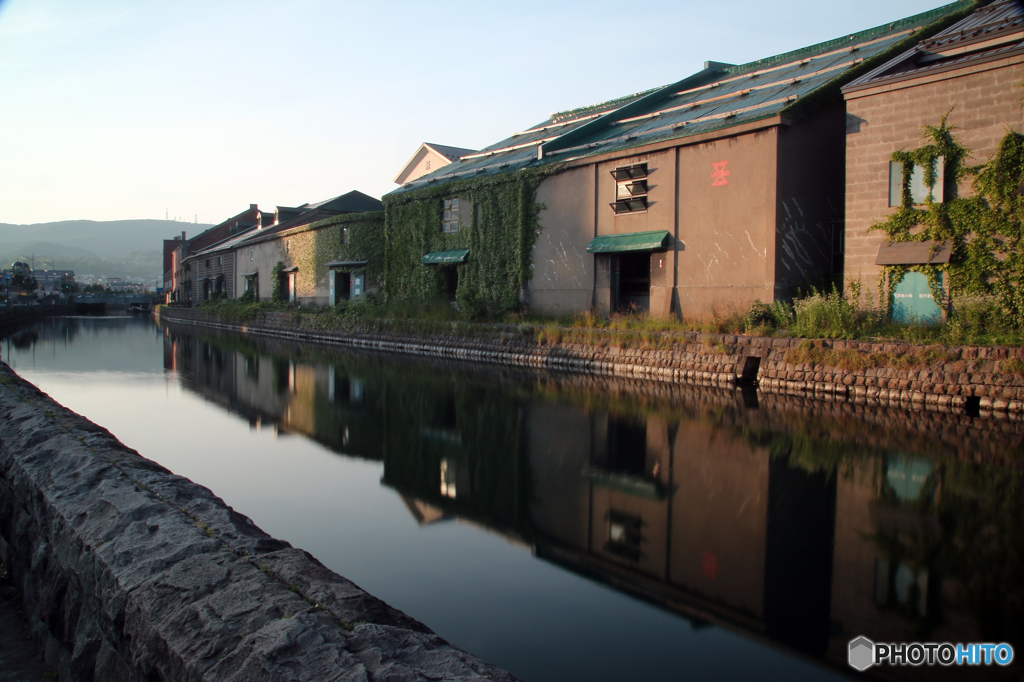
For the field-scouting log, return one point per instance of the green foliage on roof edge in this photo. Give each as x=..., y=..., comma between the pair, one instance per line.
x=499, y=233
x=985, y=232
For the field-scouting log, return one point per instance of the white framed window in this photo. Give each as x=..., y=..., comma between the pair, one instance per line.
x=919, y=191
x=450, y=220
x=630, y=189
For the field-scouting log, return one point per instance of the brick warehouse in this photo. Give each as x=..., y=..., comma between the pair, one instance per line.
x=698, y=197
x=973, y=71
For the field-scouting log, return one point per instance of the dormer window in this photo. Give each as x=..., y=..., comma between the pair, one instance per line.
x=630, y=189
x=450, y=220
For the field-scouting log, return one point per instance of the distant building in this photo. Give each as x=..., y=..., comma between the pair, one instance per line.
x=178, y=280
x=427, y=159
x=52, y=281
x=119, y=285
x=214, y=270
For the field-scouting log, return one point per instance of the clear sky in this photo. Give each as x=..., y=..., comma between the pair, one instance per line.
x=117, y=109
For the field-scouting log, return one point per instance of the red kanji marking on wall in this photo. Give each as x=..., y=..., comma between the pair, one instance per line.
x=709, y=565
x=720, y=174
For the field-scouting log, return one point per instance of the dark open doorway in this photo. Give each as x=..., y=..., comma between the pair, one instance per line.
x=451, y=280
x=343, y=286
x=632, y=281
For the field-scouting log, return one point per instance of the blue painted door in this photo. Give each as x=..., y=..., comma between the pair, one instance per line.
x=913, y=300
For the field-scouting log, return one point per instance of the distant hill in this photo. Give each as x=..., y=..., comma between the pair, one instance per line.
x=107, y=239
x=116, y=248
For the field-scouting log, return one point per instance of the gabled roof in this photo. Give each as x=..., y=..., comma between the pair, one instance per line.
x=991, y=32
x=450, y=153
x=227, y=244
x=351, y=202
x=718, y=97
x=445, y=153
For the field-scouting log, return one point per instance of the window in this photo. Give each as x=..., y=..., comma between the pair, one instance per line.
x=450, y=221
x=220, y=260
x=344, y=235
x=918, y=190
x=630, y=189
x=449, y=479
x=207, y=263
x=252, y=253
x=287, y=246
x=625, y=535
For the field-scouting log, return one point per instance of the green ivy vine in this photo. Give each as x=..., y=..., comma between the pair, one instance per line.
x=316, y=245
x=499, y=229
x=983, y=231
x=277, y=291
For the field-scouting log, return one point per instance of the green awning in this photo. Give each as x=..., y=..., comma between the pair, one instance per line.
x=340, y=264
x=633, y=241
x=445, y=257
x=625, y=483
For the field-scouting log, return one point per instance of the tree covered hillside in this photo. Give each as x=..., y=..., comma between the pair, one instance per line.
x=117, y=248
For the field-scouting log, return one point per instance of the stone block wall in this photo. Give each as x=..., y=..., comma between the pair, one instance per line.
x=132, y=573
x=966, y=379
x=982, y=101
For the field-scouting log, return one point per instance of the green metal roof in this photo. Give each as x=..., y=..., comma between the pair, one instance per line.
x=443, y=257
x=634, y=241
x=717, y=98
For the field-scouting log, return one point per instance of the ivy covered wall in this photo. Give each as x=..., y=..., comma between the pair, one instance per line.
x=984, y=230
x=313, y=246
x=498, y=226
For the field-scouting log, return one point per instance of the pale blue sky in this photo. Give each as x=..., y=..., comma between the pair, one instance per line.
x=111, y=109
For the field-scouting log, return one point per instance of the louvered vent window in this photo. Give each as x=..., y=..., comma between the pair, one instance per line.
x=630, y=189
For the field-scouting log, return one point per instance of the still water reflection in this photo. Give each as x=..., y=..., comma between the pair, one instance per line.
x=570, y=528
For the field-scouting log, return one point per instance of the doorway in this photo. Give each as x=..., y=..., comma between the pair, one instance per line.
x=631, y=281
x=451, y=281
x=342, y=286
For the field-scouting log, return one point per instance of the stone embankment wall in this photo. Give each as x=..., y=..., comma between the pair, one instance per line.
x=12, y=315
x=969, y=379
x=129, y=572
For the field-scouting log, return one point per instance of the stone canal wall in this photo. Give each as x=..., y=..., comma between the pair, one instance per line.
x=18, y=314
x=129, y=572
x=958, y=379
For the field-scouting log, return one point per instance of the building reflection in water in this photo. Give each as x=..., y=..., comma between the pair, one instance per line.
x=783, y=521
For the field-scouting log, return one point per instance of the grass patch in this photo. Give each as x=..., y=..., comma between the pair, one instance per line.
x=811, y=353
x=817, y=315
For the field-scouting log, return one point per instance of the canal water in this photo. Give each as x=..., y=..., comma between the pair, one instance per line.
x=580, y=528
